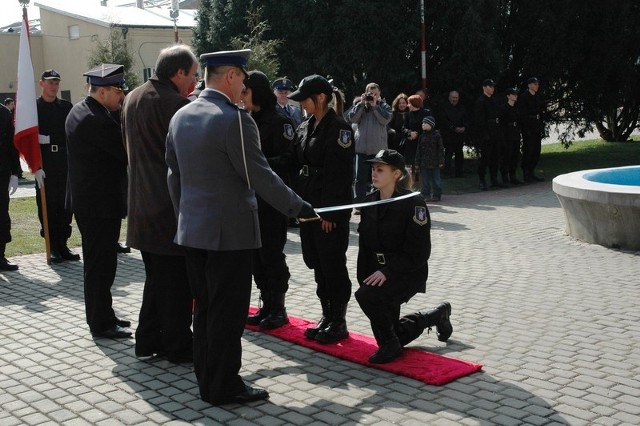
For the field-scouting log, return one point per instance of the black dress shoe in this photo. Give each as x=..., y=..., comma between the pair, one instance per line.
x=121, y=248
x=248, y=395
x=123, y=323
x=56, y=257
x=67, y=254
x=180, y=357
x=115, y=332
x=6, y=265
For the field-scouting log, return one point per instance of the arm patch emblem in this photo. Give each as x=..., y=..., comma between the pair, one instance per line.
x=288, y=132
x=345, y=138
x=420, y=216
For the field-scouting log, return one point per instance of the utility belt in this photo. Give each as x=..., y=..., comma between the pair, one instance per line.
x=53, y=148
x=382, y=258
x=310, y=170
x=536, y=116
x=493, y=120
x=513, y=124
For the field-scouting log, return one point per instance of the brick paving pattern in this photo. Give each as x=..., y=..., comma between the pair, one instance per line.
x=554, y=321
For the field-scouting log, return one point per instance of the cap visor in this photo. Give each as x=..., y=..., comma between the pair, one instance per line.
x=298, y=96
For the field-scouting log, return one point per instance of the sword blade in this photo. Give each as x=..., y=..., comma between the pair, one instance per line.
x=365, y=204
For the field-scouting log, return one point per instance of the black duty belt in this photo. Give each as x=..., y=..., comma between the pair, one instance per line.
x=310, y=170
x=52, y=148
x=536, y=116
x=513, y=124
x=493, y=120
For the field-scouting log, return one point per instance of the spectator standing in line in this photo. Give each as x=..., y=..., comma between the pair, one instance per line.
x=398, y=124
x=372, y=115
x=216, y=168
x=488, y=134
x=393, y=250
x=430, y=159
x=164, y=326
x=325, y=154
x=532, y=107
x=9, y=169
x=455, y=123
x=282, y=87
x=512, y=138
x=97, y=192
x=52, y=113
x=414, y=128
x=277, y=136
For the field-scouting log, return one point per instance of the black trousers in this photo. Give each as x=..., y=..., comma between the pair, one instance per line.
x=382, y=306
x=510, y=158
x=270, y=270
x=221, y=284
x=453, y=150
x=59, y=218
x=490, y=154
x=164, y=323
x=531, y=146
x=99, y=238
x=5, y=220
x=325, y=253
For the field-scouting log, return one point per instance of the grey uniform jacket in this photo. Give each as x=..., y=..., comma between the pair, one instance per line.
x=213, y=176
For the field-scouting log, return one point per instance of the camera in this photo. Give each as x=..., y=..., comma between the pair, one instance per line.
x=368, y=97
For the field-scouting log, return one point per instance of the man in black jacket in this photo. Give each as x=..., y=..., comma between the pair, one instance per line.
x=9, y=170
x=488, y=134
x=454, y=133
x=532, y=107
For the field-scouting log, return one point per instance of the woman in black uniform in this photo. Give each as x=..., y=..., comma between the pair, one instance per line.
x=394, y=248
x=325, y=153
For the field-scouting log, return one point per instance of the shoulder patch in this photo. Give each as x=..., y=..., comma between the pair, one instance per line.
x=345, y=138
x=420, y=216
x=288, y=132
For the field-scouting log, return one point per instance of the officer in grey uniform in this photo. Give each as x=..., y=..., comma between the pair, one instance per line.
x=282, y=87
x=216, y=168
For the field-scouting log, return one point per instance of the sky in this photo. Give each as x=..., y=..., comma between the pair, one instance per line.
x=12, y=12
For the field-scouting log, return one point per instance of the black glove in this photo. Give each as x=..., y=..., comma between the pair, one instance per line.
x=307, y=212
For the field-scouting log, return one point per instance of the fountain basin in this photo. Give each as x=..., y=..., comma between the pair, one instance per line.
x=602, y=206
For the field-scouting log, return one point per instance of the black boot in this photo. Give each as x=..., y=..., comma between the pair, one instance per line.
x=483, y=184
x=6, y=265
x=263, y=312
x=439, y=317
x=336, y=330
x=277, y=316
x=67, y=254
x=311, y=332
x=389, y=347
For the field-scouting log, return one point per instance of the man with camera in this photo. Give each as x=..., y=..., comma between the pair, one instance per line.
x=371, y=115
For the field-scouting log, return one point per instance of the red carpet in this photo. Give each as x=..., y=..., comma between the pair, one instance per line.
x=427, y=367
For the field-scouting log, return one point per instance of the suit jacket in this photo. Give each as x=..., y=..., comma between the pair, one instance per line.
x=216, y=168
x=97, y=185
x=146, y=113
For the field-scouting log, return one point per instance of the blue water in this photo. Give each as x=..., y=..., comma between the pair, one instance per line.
x=622, y=176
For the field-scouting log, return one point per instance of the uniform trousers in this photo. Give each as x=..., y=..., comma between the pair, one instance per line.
x=5, y=220
x=490, y=153
x=382, y=306
x=270, y=270
x=165, y=315
x=221, y=284
x=58, y=217
x=531, y=146
x=99, y=238
x=510, y=158
x=325, y=253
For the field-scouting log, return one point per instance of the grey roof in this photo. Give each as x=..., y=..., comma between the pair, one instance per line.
x=154, y=15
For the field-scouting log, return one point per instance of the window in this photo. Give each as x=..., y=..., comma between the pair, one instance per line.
x=74, y=32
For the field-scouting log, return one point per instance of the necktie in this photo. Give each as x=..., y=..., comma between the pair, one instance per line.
x=288, y=110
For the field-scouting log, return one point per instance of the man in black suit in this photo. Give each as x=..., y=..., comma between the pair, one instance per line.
x=98, y=191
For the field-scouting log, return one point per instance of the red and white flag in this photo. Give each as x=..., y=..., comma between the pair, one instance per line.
x=26, y=136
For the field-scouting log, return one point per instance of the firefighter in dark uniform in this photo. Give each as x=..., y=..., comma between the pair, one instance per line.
x=512, y=138
x=98, y=192
x=325, y=153
x=488, y=134
x=394, y=248
x=277, y=135
x=52, y=113
x=532, y=108
x=9, y=171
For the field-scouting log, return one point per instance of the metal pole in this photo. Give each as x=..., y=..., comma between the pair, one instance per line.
x=423, y=46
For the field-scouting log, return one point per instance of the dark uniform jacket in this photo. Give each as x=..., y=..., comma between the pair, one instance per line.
x=486, y=118
x=325, y=157
x=97, y=162
x=511, y=123
x=397, y=234
x=51, y=121
x=9, y=159
x=532, y=109
x=146, y=113
x=216, y=168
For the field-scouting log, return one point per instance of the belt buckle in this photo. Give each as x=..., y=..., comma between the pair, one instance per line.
x=381, y=259
x=54, y=148
x=497, y=121
x=305, y=170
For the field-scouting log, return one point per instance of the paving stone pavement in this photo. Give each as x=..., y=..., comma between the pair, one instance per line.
x=554, y=322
